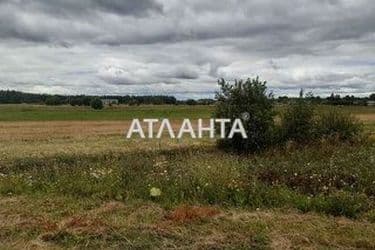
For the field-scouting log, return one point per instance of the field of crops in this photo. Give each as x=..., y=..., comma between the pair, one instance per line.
x=68, y=177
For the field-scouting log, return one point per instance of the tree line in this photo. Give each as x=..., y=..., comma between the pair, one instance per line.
x=333, y=99
x=16, y=97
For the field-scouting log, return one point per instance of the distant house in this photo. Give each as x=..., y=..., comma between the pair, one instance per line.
x=370, y=103
x=109, y=101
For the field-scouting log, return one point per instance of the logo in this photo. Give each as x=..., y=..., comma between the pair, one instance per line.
x=148, y=128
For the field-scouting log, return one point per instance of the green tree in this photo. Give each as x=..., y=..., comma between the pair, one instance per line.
x=249, y=101
x=96, y=103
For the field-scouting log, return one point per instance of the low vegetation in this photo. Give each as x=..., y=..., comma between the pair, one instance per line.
x=328, y=180
x=96, y=103
x=236, y=196
x=299, y=123
x=66, y=184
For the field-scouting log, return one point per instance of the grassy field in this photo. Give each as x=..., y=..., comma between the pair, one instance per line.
x=24, y=112
x=69, y=178
x=114, y=113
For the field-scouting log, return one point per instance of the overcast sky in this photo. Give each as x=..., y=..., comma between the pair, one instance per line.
x=181, y=47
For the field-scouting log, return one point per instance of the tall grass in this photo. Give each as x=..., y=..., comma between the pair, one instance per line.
x=337, y=180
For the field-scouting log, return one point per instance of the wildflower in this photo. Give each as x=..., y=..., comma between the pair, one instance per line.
x=155, y=192
x=95, y=175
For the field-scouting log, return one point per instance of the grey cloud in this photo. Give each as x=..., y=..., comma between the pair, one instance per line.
x=182, y=72
x=157, y=46
x=120, y=72
x=128, y=7
x=281, y=23
x=71, y=8
x=75, y=21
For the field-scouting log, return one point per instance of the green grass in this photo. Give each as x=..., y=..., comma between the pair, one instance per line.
x=325, y=178
x=69, y=113
x=24, y=112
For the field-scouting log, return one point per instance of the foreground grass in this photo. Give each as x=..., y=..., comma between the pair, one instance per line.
x=337, y=180
x=279, y=199
x=41, y=222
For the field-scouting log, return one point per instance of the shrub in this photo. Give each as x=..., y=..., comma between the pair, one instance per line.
x=297, y=122
x=96, y=103
x=246, y=97
x=338, y=125
x=191, y=102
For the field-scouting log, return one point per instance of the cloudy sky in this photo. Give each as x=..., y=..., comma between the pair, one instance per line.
x=181, y=47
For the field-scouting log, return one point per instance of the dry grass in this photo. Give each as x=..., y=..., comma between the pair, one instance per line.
x=48, y=130
x=118, y=225
x=186, y=213
x=46, y=139
x=366, y=118
x=27, y=131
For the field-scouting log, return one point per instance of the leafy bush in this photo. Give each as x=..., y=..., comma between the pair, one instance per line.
x=297, y=122
x=96, y=103
x=249, y=101
x=338, y=125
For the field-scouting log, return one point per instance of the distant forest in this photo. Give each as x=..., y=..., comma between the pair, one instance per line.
x=334, y=99
x=17, y=97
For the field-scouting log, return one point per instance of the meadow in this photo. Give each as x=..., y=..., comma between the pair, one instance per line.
x=115, y=113
x=69, y=178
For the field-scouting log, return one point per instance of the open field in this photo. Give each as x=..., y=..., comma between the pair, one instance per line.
x=68, y=177
x=115, y=113
x=24, y=112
